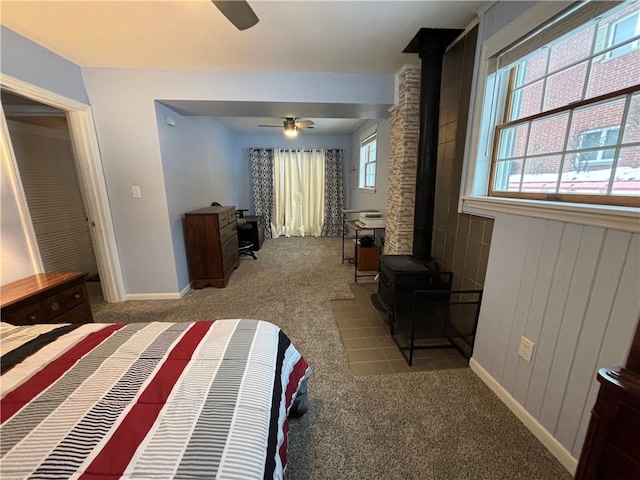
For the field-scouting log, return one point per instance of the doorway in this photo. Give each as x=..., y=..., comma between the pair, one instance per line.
x=69, y=125
x=42, y=145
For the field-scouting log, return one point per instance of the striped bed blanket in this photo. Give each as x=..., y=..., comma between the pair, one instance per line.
x=201, y=400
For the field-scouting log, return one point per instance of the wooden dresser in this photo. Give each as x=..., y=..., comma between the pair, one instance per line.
x=211, y=236
x=611, y=450
x=46, y=298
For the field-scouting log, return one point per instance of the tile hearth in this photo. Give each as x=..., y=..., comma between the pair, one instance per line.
x=370, y=349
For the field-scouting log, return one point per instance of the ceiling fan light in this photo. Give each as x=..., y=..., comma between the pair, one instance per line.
x=291, y=132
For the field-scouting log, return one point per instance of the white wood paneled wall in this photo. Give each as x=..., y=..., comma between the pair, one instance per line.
x=575, y=292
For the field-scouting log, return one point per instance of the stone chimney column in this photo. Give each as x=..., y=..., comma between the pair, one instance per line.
x=405, y=130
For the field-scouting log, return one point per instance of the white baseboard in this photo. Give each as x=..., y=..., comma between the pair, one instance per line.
x=185, y=290
x=549, y=441
x=158, y=296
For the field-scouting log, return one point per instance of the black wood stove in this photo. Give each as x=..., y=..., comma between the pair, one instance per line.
x=401, y=275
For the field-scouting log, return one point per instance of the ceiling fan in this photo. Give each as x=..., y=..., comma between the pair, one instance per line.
x=292, y=125
x=237, y=12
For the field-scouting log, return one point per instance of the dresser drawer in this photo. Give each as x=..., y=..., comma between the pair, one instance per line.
x=232, y=216
x=28, y=316
x=227, y=217
x=227, y=232
x=230, y=248
x=79, y=314
x=46, y=298
x=230, y=262
x=73, y=297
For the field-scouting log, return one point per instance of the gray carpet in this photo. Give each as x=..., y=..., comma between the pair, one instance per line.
x=421, y=425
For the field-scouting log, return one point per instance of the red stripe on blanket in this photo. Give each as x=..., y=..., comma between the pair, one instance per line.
x=294, y=382
x=25, y=393
x=117, y=453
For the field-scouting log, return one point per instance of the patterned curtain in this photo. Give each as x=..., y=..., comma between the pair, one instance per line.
x=262, y=174
x=333, y=193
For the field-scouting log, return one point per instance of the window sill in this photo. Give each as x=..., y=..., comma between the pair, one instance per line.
x=366, y=190
x=618, y=218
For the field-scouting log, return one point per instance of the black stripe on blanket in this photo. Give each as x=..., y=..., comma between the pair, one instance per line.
x=17, y=355
x=270, y=464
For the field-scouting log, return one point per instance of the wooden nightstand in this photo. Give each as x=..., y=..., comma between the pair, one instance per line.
x=46, y=298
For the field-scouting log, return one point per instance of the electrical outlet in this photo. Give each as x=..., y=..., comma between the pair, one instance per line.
x=526, y=349
x=135, y=191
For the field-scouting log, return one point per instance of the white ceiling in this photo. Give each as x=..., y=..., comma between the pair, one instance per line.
x=294, y=35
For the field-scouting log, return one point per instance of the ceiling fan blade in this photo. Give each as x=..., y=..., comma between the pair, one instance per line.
x=304, y=124
x=277, y=126
x=237, y=12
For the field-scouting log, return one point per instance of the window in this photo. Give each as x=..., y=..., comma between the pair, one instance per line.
x=568, y=123
x=368, y=161
x=592, y=140
x=621, y=32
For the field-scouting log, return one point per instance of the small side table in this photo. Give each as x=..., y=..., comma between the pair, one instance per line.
x=358, y=229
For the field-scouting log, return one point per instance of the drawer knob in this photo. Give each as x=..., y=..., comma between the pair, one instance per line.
x=77, y=296
x=32, y=318
x=55, y=306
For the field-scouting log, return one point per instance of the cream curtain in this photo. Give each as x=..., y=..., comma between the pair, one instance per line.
x=298, y=178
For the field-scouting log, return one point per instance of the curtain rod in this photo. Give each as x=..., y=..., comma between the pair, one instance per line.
x=295, y=149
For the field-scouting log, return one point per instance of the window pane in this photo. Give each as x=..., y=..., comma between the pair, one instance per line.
x=596, y=126
x=370, y=168
x=526, y=101
x=532, y=68
x=565, y=86
x=632, y=126
x=618, y=68
x=587, y=173
x=627, y=178
x=623, y=31
x=507, y=176
x=513, y=141
x=571, y=49
x=618, y=26
x=614, y=74
x=541, y=174
x=548, y=134
x=370, y=181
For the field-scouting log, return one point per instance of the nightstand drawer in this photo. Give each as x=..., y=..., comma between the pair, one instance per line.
x=73, y=297
x=28, y=316
x=64, y=301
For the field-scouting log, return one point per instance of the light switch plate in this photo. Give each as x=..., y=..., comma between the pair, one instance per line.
x=135, y=191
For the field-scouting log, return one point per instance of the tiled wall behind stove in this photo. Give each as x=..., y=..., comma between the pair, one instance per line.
x=460, y=242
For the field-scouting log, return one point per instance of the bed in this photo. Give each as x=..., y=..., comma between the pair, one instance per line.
x=201, y=400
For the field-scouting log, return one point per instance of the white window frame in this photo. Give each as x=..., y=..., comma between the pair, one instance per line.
x=370, y=137
x=477, y=162
x=611, y=32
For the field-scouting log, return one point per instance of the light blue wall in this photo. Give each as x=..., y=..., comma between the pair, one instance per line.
x=123, y=102
x=198, y=168
x=27, y=61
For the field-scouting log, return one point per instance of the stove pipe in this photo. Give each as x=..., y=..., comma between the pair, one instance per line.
x=430, y=45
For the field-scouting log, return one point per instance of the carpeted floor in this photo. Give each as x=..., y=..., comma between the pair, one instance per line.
x=436, y=424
